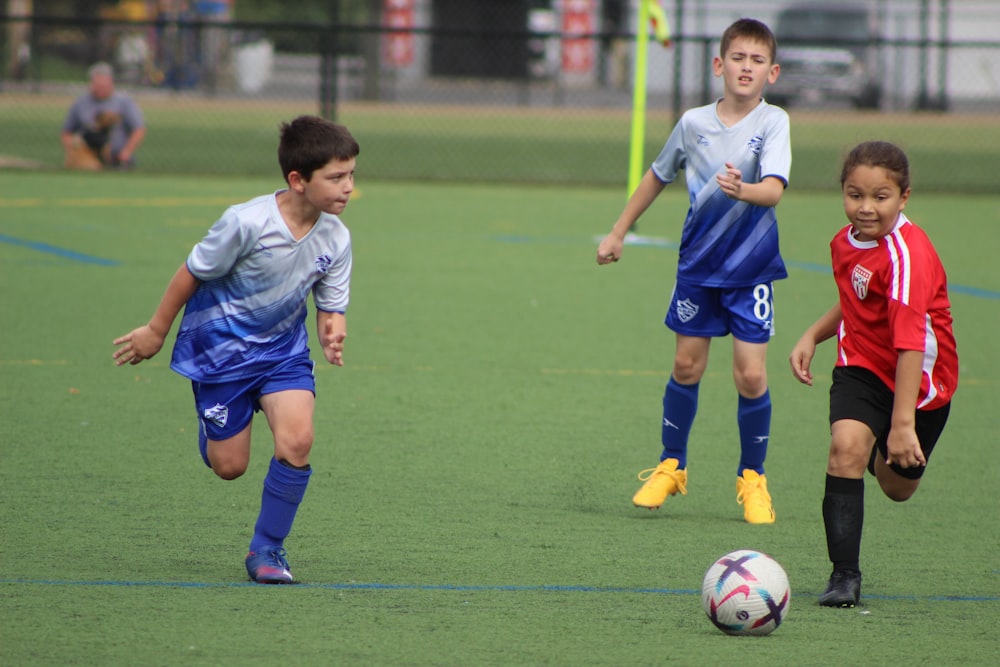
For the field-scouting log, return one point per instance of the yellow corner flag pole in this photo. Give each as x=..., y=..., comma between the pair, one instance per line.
x=649, y=10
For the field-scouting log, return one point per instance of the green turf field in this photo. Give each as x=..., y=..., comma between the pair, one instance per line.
x=475, y=457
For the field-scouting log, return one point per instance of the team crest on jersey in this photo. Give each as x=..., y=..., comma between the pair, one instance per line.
x=218, y=415
x=323, y=263
x=755, y=144
x=686, y=310
x=860, y=278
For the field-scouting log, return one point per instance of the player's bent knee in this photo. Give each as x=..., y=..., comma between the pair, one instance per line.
x=898, y=490
x=687, y=371
x=898, y=495
x=228, y=467
x=751, y=386
x=228, y=472
x=846, y=460
x=294, y=448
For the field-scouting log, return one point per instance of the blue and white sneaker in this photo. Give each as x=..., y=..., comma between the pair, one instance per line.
x=268, y=566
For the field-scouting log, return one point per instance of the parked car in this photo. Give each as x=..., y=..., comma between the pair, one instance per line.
x=827, y=52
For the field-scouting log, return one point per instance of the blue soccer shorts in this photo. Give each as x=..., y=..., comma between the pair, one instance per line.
x=712, y=312
x=227, y=408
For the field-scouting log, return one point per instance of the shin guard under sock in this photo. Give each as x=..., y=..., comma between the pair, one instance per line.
x=754, y=419
x=680, y=403
x=284, y=488
x=843, y=518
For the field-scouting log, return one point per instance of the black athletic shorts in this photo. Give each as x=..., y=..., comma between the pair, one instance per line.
x=858, y=394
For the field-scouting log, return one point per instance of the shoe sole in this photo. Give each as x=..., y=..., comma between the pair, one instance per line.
x=654, y=507
x=839, y=605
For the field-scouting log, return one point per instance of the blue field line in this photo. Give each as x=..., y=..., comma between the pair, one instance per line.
x=954, y=289
x=461, y=588
x=57, y=251
x=656, y=242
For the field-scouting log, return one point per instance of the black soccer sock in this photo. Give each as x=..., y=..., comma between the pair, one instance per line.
x=843, y=517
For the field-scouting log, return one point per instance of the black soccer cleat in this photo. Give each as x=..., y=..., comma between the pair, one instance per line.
x=843, y=590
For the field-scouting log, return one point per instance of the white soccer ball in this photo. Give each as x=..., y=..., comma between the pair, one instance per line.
x=746, y=592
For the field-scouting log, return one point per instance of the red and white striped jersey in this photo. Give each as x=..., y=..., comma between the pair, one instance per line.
x=894, y=297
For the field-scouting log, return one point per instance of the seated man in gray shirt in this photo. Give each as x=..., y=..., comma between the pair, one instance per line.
x=103, y=127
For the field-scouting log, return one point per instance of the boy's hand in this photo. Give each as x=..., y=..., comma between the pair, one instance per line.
x=333, y=344
x=730, y=182
x=137, y=345
x=610, y=249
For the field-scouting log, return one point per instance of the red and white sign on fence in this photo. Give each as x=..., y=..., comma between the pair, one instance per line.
x=578, y=19
x=397, y=47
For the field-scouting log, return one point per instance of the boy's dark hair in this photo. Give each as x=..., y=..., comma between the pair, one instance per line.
x=751, y=29
x=309, y=142
x=879, y=154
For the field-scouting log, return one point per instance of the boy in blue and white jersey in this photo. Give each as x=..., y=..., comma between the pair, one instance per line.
x=736, y=154
x=243, y=342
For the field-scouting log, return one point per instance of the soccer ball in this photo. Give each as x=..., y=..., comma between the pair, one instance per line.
x=746, y=593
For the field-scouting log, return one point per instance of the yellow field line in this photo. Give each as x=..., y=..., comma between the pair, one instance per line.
x=116, y=201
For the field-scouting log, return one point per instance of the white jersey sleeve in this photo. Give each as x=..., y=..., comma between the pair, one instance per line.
x=224, y=244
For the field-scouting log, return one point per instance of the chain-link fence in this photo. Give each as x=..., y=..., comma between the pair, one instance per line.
x=517, y=91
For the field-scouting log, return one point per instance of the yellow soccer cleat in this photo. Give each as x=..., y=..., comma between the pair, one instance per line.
x=751, y=492
x=660, y=482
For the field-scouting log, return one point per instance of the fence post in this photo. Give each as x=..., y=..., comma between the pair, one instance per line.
x=328, y=72
x=943, y=54
x=678, y=99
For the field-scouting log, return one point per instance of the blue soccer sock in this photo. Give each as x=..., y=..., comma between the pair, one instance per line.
x=284, y=487
x=680, y=403
x=754, y=419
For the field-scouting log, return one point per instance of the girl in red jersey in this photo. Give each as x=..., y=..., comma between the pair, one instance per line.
x=897, y=365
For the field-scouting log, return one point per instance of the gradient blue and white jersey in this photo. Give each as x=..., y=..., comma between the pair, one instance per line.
x=249, y=311
x=724, y=242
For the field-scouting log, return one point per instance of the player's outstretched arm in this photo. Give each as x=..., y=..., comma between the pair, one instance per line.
x=145, y=341
x=610, y=249
x=332, y=330
x=802, y=354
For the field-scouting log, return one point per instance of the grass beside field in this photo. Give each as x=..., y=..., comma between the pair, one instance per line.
x=950, y=153
x=474, y=459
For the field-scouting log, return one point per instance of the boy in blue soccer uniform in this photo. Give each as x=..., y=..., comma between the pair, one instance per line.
x=736, y=154
x=243, y=341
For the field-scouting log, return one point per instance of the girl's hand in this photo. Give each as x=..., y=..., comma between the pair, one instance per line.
x=904, y=448
x=801, y=359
